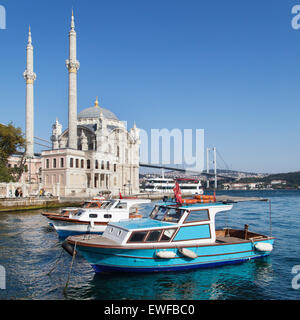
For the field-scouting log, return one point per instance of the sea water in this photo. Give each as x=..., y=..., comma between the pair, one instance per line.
x=36, y=267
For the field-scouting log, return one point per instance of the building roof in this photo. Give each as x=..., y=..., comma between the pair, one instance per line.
x=95, y=111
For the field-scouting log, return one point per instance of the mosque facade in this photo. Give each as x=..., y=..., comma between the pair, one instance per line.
x=96, y=153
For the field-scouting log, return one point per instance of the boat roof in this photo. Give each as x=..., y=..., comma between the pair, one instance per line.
x=192, y=206
x=134, y=201
x=144, y=223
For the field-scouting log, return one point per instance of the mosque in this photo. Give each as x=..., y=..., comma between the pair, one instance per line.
x=96, y=153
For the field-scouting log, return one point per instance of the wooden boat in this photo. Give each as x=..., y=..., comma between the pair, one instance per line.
x=174, y=237
x=94, y=216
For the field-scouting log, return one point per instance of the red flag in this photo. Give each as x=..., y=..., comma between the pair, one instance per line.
x=121, y=196
x=177, y=193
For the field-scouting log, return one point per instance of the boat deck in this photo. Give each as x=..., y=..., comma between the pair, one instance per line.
x=93, y=239
x=230, y=240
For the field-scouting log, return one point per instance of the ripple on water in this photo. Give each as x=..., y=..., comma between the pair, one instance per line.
x=29, y=250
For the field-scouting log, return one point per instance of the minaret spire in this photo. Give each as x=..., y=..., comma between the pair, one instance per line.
x=72, y=21
x=73, y=66
x=30, y=77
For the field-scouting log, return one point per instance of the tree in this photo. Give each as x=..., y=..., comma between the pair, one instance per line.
x=11, y=142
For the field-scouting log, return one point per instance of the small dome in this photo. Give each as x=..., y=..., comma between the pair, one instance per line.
x=95, y=111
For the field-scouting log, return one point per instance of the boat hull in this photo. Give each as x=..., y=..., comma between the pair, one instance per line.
x=146, y=260
x=65, y=229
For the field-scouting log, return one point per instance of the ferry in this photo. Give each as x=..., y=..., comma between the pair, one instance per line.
x=176, y=236
x=165, y=185
x=95, y=216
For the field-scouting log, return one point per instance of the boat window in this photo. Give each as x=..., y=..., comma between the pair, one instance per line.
x=93, y=215
x=153, y=236
x=110, y=204
x=138, y=236
x=173, y=215
x=198, y=215
x=121, y=205
x=167, y=235
x=158, y=213
x=107, y=205
x=93, y=205
x=79, y=213
x=107, y=216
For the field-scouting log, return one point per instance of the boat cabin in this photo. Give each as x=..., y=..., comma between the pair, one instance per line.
x=169, y=223
x=109, y=210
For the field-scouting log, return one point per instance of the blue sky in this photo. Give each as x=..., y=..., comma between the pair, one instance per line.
x=229, y=67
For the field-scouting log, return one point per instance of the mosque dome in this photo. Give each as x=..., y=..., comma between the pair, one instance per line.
x=95, y=111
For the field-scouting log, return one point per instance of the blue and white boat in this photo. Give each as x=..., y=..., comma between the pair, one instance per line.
x=94, y=216
x=174, y=237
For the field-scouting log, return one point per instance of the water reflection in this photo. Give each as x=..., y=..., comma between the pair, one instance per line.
x=243, y=281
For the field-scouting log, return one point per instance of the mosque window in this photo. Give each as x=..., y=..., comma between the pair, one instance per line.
x=88, y=164
x=77, y=163
x=115, y=168
x=107, y=165
x=47, y=163
x=96, y=164
x=102, y=165
x=71, y=162
x=54, y=163
x=62, y=162
x=118, y=151
x=82, y=164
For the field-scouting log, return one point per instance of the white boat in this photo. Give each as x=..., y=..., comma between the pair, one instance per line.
x=165, y=185
x=95, y=219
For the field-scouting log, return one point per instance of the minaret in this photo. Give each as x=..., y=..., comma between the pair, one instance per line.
x=30, y=77
x=73, y=66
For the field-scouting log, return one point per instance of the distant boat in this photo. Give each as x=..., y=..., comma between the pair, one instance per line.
x=166, y=185
x=94, y=216
x=176, y=236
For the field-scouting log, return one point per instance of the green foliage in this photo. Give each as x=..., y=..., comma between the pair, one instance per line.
x=11, y=142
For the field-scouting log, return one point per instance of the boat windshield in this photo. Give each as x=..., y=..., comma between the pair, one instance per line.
x=162, y=213
x=78, y=213
x=91, y=205
x=107, y=204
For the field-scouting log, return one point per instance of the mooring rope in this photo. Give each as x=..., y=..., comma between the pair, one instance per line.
x=56, y=263
x=73, y=259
